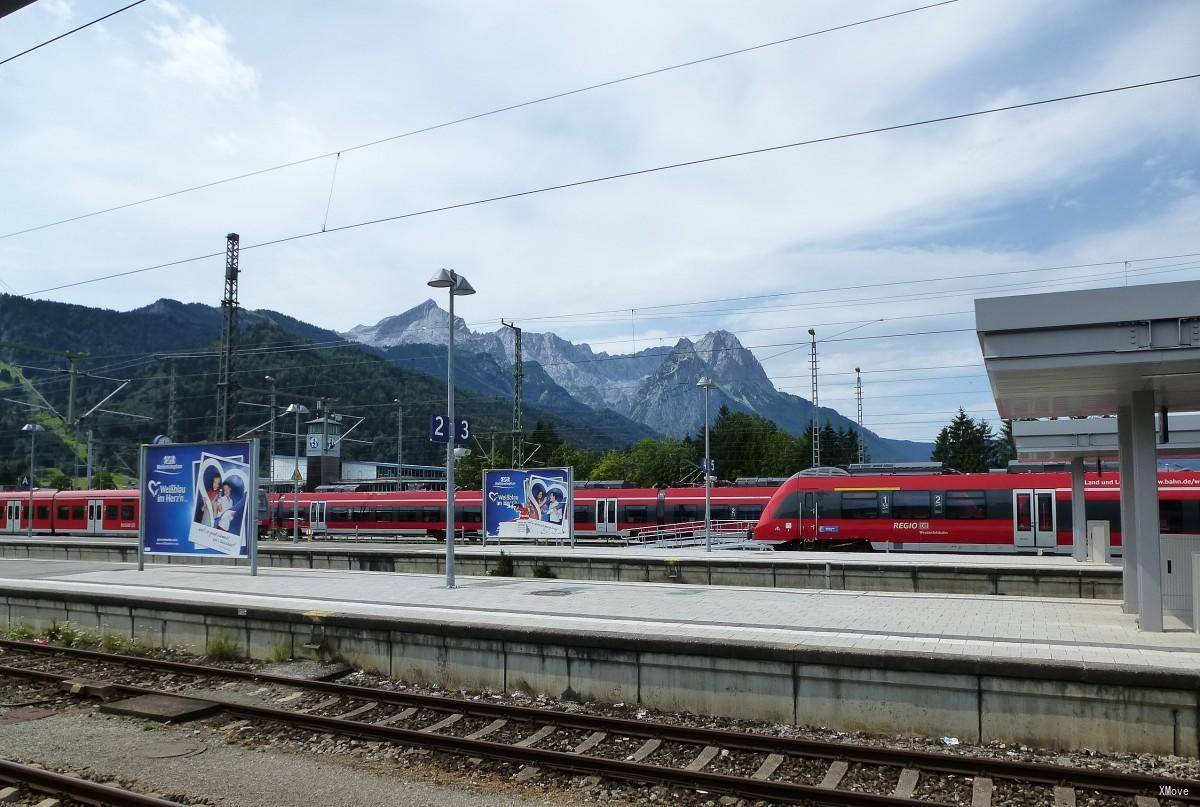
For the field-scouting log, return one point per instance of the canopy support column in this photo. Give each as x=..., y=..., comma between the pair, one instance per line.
x=1145, y=472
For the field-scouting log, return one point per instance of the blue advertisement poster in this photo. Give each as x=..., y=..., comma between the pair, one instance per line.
x=530, y=503
x=199, y=498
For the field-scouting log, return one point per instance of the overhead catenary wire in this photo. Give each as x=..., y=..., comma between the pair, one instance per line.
x=68, y=33
x=633, y=173
x=475, y=116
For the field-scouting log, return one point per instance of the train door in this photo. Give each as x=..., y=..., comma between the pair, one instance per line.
x=316, y=516
x=95, y=517
x=1034, y=519
x=606, y=516
x=12, y=521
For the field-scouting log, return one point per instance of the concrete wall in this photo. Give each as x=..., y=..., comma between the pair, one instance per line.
x=789, y=572
x=1046, y=704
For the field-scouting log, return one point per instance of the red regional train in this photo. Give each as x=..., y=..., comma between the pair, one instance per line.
x=598, y=511
x=1001, y=512
x=70, y=512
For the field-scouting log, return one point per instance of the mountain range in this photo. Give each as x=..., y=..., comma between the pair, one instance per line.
x=655, y=387
x=596, y=399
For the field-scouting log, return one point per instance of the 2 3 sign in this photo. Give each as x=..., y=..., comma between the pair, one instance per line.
x=438, y=430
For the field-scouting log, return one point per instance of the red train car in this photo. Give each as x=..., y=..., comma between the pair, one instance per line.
x=70, y=512
x=1017, y=512
x=599, y=512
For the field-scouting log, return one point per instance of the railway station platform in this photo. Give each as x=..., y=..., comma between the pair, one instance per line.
x=995, y=574
x=1050, y=672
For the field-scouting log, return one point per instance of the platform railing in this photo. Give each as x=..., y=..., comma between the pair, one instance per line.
x=726, y=534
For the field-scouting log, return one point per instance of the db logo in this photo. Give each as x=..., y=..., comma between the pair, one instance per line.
x=169, y=459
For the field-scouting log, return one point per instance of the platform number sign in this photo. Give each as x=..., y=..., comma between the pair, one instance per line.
x=439, y=428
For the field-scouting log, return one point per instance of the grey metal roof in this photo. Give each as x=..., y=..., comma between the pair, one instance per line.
x=1091, y=438
x=1076, y=353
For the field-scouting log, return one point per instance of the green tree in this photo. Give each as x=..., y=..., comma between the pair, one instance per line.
x=103, y=480
x=613, y=465
x=61, y=481
x=964, y=445
x=1004, y=447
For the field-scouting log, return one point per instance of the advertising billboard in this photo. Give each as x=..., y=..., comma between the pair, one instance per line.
x=531, y=503
x=200, y=499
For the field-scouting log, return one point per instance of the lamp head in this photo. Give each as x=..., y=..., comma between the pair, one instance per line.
x=462, y=287
x=270, y=378
x=33, y=427
x=812, y=332
x=444, y=279
x=296, y=409
x=705, y=382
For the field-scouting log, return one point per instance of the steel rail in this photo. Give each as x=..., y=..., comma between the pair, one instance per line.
x=562, y=760
x=79, y=789
x=1084, y=778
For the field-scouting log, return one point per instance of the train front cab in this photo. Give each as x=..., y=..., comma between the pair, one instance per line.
x=880, y=516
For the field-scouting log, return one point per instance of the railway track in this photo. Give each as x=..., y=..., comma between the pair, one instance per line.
x=21, y=782
x=754, y=766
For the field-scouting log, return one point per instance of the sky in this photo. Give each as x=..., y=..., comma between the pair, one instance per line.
x=173, y=94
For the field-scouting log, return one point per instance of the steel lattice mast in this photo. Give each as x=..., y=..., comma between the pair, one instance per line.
x=229, y=308
x=518, y=436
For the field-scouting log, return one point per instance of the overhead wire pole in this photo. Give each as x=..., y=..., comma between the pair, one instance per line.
x=399, y=439
x=816, y=418
x=229, y=307
x=858, y=394
x=518, y=437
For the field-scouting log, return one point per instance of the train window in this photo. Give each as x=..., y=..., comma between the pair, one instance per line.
x=747, y=512
x=64, y=512
x=689, y=512
x=910, y=504
x=77, y=512
x=999, y=504
x=721, y=511
x=43, y=512
x=470, y=515
x=634, y=514
x=1105, y=510
x=788, y=507
x=584, y=513
x=1170, y=515
x=829, y=504
x=966, y=504
x=860, y=504
x=110, y=512
x=127, y=512
x=338, y=514
x=1063, y=506
x=1045, y=512
x=433, y=514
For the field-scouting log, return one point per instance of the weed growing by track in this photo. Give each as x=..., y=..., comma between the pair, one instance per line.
x=222, y=647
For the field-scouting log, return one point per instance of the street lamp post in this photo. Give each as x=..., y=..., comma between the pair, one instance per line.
x=707, y=385
x=33, y=429
x=399, y=442
x=459, y=287
x=297, y=410
x=271, y=454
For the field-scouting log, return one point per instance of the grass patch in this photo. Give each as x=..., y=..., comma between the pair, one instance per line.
x=222, y=647
x=504, y=566
x=68, y=635
x=115, y=643
x=280, y=652
x=542, y=570
x=19, y=633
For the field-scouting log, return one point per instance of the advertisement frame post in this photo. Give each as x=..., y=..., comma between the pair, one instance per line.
x=252, y=533
x=142, y=508
x=571, y=501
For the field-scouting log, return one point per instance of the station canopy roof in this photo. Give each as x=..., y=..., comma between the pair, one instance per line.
x=1095, y=438
x=1076, y=353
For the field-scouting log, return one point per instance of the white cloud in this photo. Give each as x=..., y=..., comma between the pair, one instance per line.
x=197, y=51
